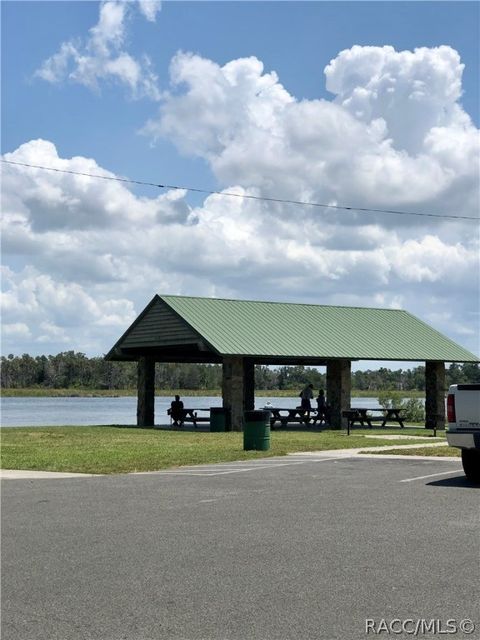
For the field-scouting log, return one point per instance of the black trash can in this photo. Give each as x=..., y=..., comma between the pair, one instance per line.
x=256, y=433
x=219, y=419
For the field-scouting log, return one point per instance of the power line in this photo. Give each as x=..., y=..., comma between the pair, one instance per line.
x=250, y=197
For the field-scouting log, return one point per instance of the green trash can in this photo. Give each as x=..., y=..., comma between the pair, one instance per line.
x=256, y=433
x=218, y=419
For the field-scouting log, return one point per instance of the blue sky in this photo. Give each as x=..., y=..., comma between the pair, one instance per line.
x=295, y=39
x=284, y=99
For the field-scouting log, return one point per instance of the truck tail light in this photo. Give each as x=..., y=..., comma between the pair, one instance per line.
x=451, y=408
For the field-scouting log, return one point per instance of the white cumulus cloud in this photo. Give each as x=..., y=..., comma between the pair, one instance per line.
x=85, y=282
x=423, y=85
x=150, y=8
x=101, y=56
x=252, y=132
x=85, y=255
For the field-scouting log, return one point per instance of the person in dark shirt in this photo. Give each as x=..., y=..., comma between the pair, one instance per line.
x=307, y=396
x=321, y=407
x=176, y=412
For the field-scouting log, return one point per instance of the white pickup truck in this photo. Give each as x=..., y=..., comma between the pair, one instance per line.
x=463, y=431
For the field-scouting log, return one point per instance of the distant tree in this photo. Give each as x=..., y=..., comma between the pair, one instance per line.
x=71, y=369
x=461, y=373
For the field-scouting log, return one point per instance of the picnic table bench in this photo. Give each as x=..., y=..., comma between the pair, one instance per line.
x=191, y=415
x=285, y=415
x=362, y=416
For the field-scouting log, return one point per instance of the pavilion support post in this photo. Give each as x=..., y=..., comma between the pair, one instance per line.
x=238, y=388
x=338, y=390
x=146, y=392
x=249, y=387
x=435, y=395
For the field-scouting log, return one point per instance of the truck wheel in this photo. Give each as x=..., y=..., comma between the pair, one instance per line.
x=471, y=464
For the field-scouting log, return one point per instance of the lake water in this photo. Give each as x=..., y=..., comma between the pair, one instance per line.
x=37, y=412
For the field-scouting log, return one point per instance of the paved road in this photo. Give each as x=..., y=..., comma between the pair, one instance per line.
x=304, y=547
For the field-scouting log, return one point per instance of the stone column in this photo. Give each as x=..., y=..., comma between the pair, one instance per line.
x=435, y=394
x=249, y=387
x=338, y=390
x=146, y=392
x=237, y=388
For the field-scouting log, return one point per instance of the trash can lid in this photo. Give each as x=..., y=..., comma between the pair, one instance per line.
x=257, y=415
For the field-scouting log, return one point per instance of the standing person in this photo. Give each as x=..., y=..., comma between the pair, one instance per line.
x=321, y=407
x=307, y=396
x=176, y=412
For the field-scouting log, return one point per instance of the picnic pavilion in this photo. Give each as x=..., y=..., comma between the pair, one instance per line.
x=239, y=334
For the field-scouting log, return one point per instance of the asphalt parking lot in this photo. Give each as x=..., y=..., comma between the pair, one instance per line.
x=303, y=547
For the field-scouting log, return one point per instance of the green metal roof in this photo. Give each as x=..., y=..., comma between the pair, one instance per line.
x=252, y=328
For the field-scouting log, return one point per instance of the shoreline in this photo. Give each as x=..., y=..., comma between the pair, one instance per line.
x=121, y=393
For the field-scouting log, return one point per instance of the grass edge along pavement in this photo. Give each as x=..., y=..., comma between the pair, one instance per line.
x=438, y=452
x=126, y=449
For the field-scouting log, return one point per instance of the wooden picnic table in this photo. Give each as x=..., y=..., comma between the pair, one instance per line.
x=285, y=415
x=189, y=414
x=361, y=415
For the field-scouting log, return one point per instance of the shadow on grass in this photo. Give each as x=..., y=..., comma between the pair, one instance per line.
x=123, y=426
x=157, y=427
x=206, y=429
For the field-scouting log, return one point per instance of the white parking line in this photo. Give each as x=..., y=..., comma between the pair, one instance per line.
x=212, y=472
x=431, y=475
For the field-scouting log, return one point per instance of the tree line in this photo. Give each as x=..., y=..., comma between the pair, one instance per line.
x=70, y=370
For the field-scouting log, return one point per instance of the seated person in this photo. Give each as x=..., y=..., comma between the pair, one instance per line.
x=176, y=412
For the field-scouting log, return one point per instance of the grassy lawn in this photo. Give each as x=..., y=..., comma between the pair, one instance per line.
x=118, y=449
x=414, y=430
x=437, y=452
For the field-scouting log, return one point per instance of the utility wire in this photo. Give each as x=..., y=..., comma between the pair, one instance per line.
x=250, y=197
